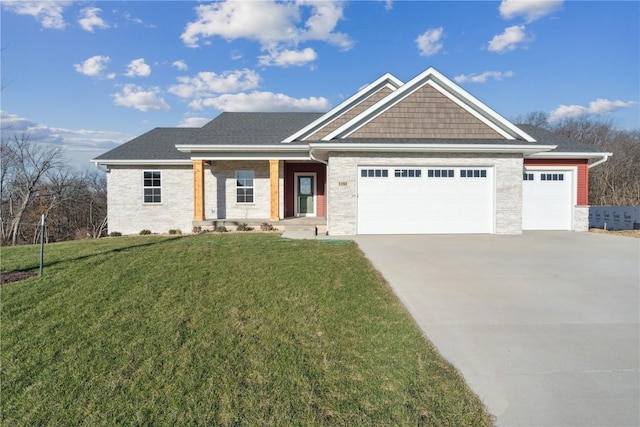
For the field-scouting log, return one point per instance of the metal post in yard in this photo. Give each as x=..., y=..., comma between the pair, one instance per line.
x=41, y=245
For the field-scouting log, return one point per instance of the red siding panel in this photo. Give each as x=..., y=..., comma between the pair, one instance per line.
x=583, y=174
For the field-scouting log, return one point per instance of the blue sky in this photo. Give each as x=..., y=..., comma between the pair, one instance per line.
x=91, y=75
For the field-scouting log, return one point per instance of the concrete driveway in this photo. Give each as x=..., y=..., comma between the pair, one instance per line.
x=543, y=326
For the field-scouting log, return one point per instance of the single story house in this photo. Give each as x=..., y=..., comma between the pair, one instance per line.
x=423, y=156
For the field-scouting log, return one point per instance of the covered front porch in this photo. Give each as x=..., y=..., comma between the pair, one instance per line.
x=250, y=191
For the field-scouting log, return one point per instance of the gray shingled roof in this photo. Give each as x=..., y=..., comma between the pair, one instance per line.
x=157, y=144
x=565, y=145
x=272, y=128
x=253, y=128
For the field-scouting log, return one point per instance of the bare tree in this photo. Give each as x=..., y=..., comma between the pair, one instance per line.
x=25, y=166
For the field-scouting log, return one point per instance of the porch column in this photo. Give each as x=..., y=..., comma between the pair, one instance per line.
x=274, y=175
x=198, y=190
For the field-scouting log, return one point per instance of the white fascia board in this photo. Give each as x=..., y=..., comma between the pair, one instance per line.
x=142, y=162
x=568, y=155
x=190, y=148
x=447, y=88
x=432, y=148
x=387, y=80
x=246, y=152
x=266, y=155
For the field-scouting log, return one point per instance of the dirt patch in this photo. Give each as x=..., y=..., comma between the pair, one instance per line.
x=627, y=233
x=15, y=276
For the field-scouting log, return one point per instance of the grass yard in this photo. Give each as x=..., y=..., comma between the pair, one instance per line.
x=230, y=330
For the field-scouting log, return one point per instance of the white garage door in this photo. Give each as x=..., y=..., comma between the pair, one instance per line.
x=547, y=200
x=425, y=200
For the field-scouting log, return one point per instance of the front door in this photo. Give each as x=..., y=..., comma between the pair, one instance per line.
x=305, y=195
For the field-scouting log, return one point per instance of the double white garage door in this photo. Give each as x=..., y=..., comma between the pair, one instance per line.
x=447, y=200
x=425, y=200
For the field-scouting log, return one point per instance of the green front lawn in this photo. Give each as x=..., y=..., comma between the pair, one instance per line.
x=239, y=329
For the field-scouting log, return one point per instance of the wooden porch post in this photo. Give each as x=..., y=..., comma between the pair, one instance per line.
x=274, y=175
x=198, y=190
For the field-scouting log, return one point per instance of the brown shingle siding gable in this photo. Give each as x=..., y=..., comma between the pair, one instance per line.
x=350, y=114
x=426, y=113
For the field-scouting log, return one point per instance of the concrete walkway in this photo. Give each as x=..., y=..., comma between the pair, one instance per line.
x=544, y=326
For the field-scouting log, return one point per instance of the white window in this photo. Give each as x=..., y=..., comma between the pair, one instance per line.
x=552, y=177
x=244, y=186
x=152, y=187
x=374, y=173
x=473, y=173
x=408, y=173
x=440, y=173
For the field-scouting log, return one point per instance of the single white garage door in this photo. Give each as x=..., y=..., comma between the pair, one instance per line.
x=547, y=200
x=425, y=200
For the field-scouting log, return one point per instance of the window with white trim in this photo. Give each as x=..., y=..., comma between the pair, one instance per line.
x=374, y=173
x=440, y=173
x=152, y=188
x=407, y=173
x=473, y=173
x=244, y=186
x=527, y=176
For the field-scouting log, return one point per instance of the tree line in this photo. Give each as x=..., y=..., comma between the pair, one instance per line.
x=615, y=182
x=36, y=180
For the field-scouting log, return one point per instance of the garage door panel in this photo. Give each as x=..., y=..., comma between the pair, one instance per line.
x=432, y=203
x=547, y=200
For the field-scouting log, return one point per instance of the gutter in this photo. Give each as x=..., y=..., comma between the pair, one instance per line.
x=313, y=157
x=605, y=157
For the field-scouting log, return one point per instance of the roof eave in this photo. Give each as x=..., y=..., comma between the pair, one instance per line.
x=431, y=148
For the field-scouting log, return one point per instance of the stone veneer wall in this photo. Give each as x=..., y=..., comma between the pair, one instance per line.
x=128, y=214
x=342, y=184
x=220, y=190
x=581, y=218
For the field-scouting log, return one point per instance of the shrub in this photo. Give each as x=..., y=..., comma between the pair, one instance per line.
x=175, y=231
x=265, y=226
x=244, y=227
x=145, y=232
x=221, y=229
x=115, y=234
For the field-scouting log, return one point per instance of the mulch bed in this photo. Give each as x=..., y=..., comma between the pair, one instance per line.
x=15, y=276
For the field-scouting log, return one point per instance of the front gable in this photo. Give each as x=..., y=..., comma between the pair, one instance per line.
x=353, y=106
x=430, y=106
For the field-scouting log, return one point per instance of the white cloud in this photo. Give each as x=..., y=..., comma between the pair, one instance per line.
x=94, y=67
x=137, y=97
x=180, y=65
x=208, y=83
x=287, y=57
x=71, y=140
x=130, y=18
x=388, y=4
x=236, y=54
x=47, y=13
x=509, y=39
x=138, y=68
x=262, y=101
x=599, y=106
x=531, y=10
x=194, y=122
x=481, y=78
x=89, y=19
x=429, y=43
x=275, y=25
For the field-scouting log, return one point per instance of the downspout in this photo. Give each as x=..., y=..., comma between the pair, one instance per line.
x=605, y=157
